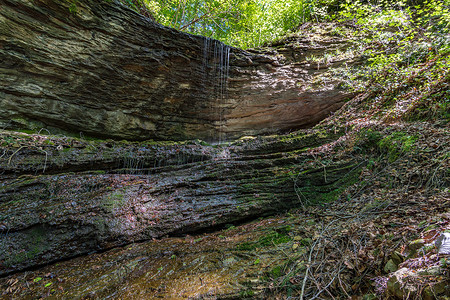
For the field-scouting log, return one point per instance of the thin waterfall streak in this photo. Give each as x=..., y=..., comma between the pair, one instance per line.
x=214, y=86
x=138, y=165
x=224, y=72
x=214, y=64
x=228, y=69
x=222, y=58
x=207, y=66
x=216, y=68
x=220, y=92
x=205, y=57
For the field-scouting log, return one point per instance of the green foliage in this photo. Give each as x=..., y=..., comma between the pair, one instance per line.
x=251, y=23
x=141, y=6
x=73, y=8
x=114, y=201
x=407, y=49
x=246, y=293
x=306, y=241
x=396, y=144
x=391, y=31
x=368, y=139
x=239, y=23
x=276, y=272
x=314, y=193
x=272, y=238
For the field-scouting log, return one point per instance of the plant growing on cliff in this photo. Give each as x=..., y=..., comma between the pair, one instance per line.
x=407, y=51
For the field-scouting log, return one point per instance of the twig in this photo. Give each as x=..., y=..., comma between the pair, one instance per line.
x=4, y=152
x=287, y=256
x=46, y=156
x=326, y=287
x=342, y=287
x=10, y=158
x=305, y=279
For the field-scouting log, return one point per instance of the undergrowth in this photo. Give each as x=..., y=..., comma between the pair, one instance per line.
x=397, y=126
x=406, y=76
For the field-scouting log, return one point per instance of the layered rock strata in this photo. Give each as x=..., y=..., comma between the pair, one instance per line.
x=98, y=68
x=62, y=197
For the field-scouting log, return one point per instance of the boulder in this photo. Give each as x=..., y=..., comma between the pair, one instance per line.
x=414, y=246
x=443, y=243
x=390, y=266
x=432, y=292
x=397, y=258
x=409, y=284
x=398, y=286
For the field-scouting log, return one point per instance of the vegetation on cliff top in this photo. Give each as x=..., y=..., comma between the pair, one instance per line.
x=252, y=23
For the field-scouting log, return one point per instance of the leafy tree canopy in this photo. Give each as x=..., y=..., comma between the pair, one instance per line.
x=249, y=23
x=242, y=23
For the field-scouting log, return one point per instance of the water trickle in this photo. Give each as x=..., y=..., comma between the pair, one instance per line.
x=216, y=68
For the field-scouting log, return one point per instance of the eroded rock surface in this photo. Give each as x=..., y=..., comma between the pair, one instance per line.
x=218, y=265
x=99, y=68
x=61, y=197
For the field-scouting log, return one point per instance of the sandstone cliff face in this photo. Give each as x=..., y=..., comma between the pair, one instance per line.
x=62, y=197
x=101, y=69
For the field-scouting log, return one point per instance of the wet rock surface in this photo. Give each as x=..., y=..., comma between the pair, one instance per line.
x=213, y=265
x=60, y=214
x=119, y=193
x=101, y=69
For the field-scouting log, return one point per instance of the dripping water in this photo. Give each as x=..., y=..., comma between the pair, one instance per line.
x=216, y=67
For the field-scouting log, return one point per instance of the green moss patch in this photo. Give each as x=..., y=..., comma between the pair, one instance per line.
x=326, y=184
x=36, y=245
x=274, y=237
x=396, y=144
